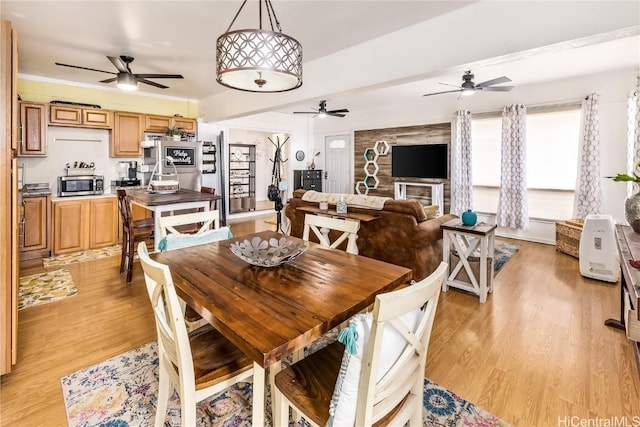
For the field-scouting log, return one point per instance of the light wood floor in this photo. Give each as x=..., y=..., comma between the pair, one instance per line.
x=535, y=353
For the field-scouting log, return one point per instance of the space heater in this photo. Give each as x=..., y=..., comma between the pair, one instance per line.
x=598, y=253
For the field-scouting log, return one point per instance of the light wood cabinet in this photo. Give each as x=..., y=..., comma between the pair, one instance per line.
x=127, y=134
x=33, y=137
x=84, y=224
x=103, y=222
x=188, y=125
x=68, y=115
x=36, y=219
x=155, y=123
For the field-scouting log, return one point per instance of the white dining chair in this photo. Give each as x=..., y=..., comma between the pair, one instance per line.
x=378, y=376
x=208, y=229
x=196, y=365
x=323, y=225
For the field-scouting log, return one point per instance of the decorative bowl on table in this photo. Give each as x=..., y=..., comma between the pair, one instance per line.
x=267, y=253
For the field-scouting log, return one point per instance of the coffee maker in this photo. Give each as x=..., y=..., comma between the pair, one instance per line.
x=128, y=174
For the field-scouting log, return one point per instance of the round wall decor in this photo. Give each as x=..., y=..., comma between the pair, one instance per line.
x=299, y=155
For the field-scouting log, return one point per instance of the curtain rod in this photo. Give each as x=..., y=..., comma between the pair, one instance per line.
x=564, y=104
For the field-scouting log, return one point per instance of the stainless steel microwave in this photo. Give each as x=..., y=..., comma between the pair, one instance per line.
x=80, y=185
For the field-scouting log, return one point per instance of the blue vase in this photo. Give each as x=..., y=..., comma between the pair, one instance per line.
x=469, y=217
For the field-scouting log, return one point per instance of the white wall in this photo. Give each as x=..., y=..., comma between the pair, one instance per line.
x=67, y=145
x=613, y=88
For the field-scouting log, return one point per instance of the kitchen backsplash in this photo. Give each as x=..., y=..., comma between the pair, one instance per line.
x=68, y=145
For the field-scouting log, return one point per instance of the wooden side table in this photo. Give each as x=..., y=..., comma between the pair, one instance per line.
x=467, y=240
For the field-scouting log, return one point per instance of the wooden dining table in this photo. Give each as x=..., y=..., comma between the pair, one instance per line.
x=271, y=312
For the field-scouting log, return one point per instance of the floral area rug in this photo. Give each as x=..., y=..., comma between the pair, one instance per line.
x=122, y=392
x=46, y=287
x=87, y=255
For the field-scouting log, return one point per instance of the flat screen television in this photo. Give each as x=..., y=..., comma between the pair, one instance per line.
x=420, y=161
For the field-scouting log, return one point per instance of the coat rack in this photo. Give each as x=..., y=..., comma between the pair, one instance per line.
x=273, y=192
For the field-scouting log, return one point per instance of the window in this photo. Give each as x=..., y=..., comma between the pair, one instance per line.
x=552, y=162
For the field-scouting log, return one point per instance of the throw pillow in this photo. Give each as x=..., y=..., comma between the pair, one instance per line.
x=431, y=211
x=178, y=241
x=342, y=409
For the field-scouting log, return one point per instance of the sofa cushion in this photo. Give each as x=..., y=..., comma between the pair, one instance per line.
x=431, y=211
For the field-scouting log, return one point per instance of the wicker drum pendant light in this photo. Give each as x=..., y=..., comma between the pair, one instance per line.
x=259, y=60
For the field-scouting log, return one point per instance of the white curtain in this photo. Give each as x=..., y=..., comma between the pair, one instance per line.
x=513, y=210
x=633, y=134
x=588, y=195
x=462, y=192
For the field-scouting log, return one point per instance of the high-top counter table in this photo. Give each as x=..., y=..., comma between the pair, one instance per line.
x=182, y=199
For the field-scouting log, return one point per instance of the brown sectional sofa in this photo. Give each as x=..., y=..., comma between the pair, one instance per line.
x=402, y=234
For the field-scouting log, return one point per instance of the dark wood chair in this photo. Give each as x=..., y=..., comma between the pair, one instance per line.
x=133, y=232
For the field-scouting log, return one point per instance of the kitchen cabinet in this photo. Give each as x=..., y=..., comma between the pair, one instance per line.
x=307, y=179
x=35, y=239
x=68, y=115
x=155, y=123
x=127, y=134
x=82, y=224
x=33, y=125
x=188, y=125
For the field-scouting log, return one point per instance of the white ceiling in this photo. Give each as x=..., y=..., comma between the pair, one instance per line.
x=179, y=37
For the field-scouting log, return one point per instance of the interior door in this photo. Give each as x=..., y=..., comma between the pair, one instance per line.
x=337, y=172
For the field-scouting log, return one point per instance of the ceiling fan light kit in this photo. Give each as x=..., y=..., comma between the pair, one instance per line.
x=257, y=60
x=126, y=82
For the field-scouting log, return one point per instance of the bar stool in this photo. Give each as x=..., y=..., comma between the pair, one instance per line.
x=133, y=232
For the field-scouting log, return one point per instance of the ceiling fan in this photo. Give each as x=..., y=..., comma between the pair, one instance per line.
x=125, y=78
x=468, y=87
x=322, y=111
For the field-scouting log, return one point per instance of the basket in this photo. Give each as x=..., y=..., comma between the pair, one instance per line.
x=474, y=262
x=568, y=236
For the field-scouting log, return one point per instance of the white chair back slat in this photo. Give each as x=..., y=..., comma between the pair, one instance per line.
x=322, y=225
x=208, y=219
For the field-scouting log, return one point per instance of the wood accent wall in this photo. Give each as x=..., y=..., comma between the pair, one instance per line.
x=408, y=135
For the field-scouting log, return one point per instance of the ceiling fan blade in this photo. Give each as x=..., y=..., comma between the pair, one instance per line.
x=305, y=112
x=447, y=84
x=149, y=82
x=334, y=114
x=117, y=62
x=85, y=68
x=439, y=93
x=343, y=110
x=159, y=76
x=497, y=81
x=496, y=88
x=111, y=80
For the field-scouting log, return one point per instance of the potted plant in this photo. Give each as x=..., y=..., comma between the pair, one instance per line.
x=175, y=133
x=632, y=203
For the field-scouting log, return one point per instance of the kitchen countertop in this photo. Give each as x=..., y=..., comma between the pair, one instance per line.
x=69, y=198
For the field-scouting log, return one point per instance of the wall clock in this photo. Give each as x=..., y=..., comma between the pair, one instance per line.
x=299, y=155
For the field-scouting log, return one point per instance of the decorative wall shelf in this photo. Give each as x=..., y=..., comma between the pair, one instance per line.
x=371, y=169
